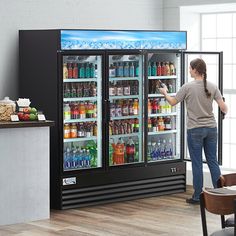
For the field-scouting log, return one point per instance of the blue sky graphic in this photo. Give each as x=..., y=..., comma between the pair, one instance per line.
x=101, y=39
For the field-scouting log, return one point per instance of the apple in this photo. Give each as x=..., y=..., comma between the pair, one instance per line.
x=26, y=116
x=33, y=110
x=32, y=116
x=20, y=115
x=26, y=109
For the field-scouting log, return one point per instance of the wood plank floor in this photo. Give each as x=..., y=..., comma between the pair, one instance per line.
x=163, y=215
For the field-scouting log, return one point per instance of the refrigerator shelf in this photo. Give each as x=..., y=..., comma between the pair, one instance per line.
x=163, y=132
x=163, y=77
x=80, y=80
x=158, y=95
x=163, y=114
x=124, y=117
x=123, y=78
x=79, y=99
x=123, y=97
x=124, y=135
x=80, y=120
x=69, y=140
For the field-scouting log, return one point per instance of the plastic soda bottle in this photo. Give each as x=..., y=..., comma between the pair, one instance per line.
x=65, y=71
x=130, y=151
x=67, y=112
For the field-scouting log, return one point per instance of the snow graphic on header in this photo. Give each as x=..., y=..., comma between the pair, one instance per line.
x=102, y=39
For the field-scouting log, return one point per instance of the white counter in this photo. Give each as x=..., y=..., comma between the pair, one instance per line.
x=24, y=173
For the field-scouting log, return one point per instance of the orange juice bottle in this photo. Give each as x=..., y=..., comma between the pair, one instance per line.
x=66, y=131
x=161, y=125
x=136, y=106
x=73, y=130
x=82, y=111
x=149, y=107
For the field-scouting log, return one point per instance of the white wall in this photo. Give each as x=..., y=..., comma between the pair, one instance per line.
x=171, y=10
x=67, y=14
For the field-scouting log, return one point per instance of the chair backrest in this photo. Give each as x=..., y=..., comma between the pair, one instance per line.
x=227, y=180
x=220, y=204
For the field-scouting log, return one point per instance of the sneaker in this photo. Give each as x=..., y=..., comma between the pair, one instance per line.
x=192, y=201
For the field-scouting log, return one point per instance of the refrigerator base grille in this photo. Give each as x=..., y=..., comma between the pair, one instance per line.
x=74, y=198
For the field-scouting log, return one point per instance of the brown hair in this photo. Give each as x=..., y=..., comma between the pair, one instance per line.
x=200, y=67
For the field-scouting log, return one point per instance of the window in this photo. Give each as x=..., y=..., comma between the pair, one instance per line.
x=218, y=33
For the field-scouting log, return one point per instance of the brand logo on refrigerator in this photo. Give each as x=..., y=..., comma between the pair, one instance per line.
x=69, y=181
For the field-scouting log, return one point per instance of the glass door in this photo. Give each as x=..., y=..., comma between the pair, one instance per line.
x=82, y=116
x=126, y=109
x=214, y=64
x=163, y=120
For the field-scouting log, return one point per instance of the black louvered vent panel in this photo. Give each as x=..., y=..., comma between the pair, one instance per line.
x=122, y=191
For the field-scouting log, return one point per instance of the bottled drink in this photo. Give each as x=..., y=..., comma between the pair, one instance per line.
x=161, y=126
x=120, y=89
x=126, y=69
x=149, y=151
x=154, y=69
x=136, y=157
x=125, y=109
x=111, y=150
x=112, y=71
x=167, y=68
x=87, y=71
x=126, y=88
x=82, y=111
x=131, y=70
x=67, y=158
x=82, y=71
x=149, y=125
x=65, y=71
x=67, y=92
x=169, y=149
x=120, y=69
x=149, y=107
x=167, y=122
x=163, y=149
x=79, y=90
x=73, y=91
x=172, y=69
x=75, y=71
x=119, y=152
x=92, y=70
x=67, y=112
x=136, y=125
x=66, y=131
x=162, y=106
x=69, y=66
x=136, y=107
x=137, y=70
x=130, y=151
x=159, y=69
x=149, y=69
x=73, y=130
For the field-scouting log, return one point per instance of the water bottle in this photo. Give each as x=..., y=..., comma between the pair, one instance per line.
x=158, y=150
x=87, y=159
x=67, y=158
x=169, y=149
x=149, y=151
x=163, y=149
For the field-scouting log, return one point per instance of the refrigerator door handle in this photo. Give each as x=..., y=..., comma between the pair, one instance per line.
x=108, y=110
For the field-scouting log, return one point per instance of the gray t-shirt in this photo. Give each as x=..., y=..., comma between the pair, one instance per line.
x=199, y=107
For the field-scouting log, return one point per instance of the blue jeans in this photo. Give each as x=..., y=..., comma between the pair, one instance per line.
x=198, y=139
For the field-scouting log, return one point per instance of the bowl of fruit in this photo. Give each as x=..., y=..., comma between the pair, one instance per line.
x=28, y=114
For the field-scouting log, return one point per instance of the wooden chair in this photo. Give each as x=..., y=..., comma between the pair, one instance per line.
x=224, y=181
x=219, y=204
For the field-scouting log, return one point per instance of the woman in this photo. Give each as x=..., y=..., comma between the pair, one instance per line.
x=201, y=125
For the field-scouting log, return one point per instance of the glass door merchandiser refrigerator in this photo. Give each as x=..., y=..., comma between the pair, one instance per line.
x=115, y=136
